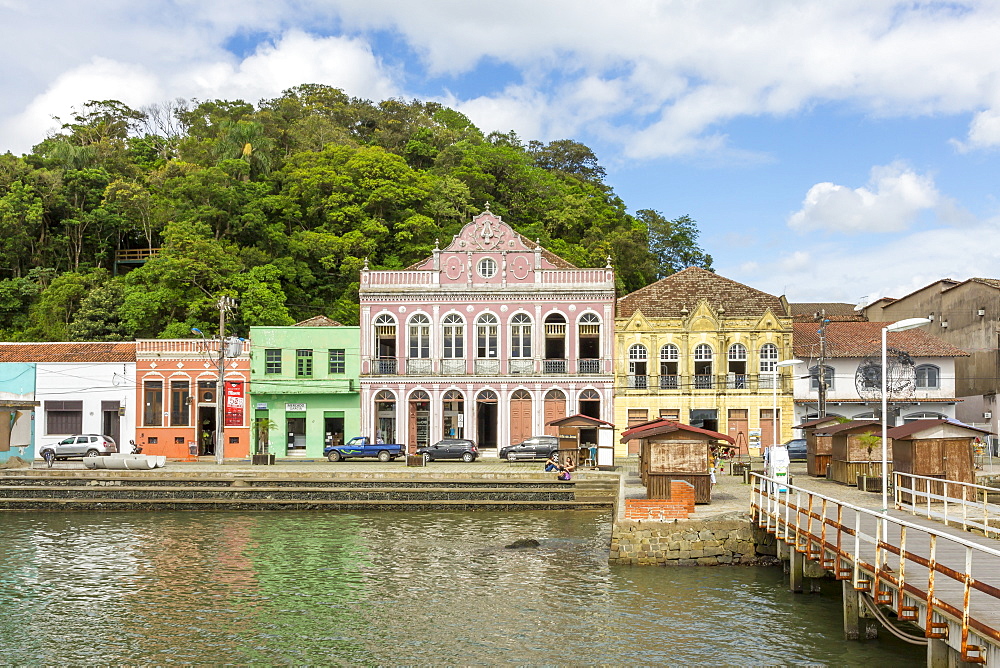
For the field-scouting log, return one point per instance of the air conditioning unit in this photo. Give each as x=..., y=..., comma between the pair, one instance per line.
x=944, y=324
x=987, y=416
x=981, y=311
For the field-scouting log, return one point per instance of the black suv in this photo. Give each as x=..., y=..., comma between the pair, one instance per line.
x=536, y=447
x=450, y=448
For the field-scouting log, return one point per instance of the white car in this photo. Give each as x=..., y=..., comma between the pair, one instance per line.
x=81, y=445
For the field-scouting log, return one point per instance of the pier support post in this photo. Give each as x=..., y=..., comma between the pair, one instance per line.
x=856, y=625
x=795, y=571
x=939, y=654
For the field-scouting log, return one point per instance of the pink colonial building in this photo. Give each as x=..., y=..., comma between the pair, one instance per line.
x=488, y=339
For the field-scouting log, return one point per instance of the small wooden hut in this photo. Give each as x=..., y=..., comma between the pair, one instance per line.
x=935, y=449
x=850, y=456
x=819, y=445
x=588, y=440
x=670, y=450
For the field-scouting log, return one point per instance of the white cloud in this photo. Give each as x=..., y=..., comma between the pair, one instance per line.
x=841, y=271
x=294, y=59
x=891, y=201
x=657, y=78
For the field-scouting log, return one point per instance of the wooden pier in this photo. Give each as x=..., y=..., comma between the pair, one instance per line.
x=926, y=582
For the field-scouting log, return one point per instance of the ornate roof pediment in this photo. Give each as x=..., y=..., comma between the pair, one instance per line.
x=487, y=232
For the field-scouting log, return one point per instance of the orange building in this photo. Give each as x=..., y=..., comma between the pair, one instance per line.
x=176, y=392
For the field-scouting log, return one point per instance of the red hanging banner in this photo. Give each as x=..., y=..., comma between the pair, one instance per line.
x=235, y=403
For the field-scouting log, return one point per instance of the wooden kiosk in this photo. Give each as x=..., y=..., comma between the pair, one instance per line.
x=669, y=451
x=819, y=445
x=589, y=441
x=850, y=457
x=935, y=449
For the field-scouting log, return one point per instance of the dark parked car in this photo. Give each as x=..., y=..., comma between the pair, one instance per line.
x=81, y=445
x=451, y=448
x=536, y=447
x=796, y=449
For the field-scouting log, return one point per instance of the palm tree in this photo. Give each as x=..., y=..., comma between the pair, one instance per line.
x=245, y=140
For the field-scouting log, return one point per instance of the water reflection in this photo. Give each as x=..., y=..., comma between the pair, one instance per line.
x=386, y=588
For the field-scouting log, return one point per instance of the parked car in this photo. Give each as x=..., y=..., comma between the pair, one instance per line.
x=796, y=449
x=450, y=448
x=536, y=447
x=361, y=446
x=81, y=445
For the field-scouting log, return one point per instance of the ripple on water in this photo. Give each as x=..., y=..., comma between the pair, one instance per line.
x=387, y=588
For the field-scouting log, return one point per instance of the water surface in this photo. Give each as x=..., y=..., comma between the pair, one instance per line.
x=389, y=588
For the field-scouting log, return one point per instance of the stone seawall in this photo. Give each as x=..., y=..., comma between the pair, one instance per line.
x=730, y=539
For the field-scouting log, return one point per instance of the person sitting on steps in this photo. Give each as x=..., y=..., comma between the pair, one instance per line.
x=552, y=464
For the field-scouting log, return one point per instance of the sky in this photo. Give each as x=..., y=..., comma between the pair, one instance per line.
x=829, y=151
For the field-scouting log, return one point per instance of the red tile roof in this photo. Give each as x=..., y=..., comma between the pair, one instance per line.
x=665, y=426
x=861, y=339
x=907, y=430
x=847, y=426
x=68, y=352
x=318, y=321
x=833, y=311
x=666, y=297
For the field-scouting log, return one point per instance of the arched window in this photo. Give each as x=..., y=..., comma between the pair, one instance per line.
x=928, y=377
x=590, y=404
x=555, y=344
x=385, y=416
x=814, y=376
x=768, y=365
x=737, y=378
x=453, y=336
x=925, y=415
x=589, y=343
x=670, y=356
x=520, y=336
x=703, y=367
x=637, y=357
x=385, y=344
x=486, y=336
x=452, y=412
x=420, y=337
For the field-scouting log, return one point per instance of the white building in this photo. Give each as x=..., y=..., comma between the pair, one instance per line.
x=82, y=388
x=924, y=375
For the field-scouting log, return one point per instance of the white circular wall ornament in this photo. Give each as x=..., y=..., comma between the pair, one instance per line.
x=572, y=307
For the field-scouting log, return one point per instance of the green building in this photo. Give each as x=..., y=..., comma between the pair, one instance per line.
x=304, y=387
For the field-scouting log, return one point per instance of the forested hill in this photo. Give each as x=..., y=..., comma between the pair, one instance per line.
x=278, y=206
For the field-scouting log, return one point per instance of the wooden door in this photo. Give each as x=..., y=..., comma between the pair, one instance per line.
x=738, y=423
x=520, y=417
x=555, y=408
x=767, y=427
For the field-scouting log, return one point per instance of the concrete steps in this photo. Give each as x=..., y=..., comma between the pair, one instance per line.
x=127, y=490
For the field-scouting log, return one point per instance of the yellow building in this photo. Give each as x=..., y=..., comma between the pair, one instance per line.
x=703, y=349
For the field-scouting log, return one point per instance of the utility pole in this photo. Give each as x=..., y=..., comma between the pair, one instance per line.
x=823, y=321
x=225, y=305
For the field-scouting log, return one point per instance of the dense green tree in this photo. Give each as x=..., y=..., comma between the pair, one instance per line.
x=674, y=243
x=99, y=316
x=280, y=205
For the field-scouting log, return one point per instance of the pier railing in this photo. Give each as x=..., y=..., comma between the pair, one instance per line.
x=938, y=581
x=959, y=504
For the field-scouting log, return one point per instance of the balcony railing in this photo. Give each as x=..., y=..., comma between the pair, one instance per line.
x=638, y=382
x=554, y=366
x=453, y=367
x=487, y=367
x=723, y=383
x=704, y=382
x=384, y=367
x=521, y=366
x=588, y=366
x=418, y=367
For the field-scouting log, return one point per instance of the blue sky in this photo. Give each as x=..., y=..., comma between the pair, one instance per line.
x=828, y=151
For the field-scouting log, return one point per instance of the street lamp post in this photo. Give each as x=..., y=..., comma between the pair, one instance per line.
x=902, y=325
x=774, y=386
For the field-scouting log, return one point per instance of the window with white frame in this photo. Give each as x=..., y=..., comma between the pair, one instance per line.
x=637, y=358
x=928, y=377
x=768, y=358
x=487, y=267
x=453, y=330
x=814, y=376
x=487, y=336
x=520, y=336
x=420, y=337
